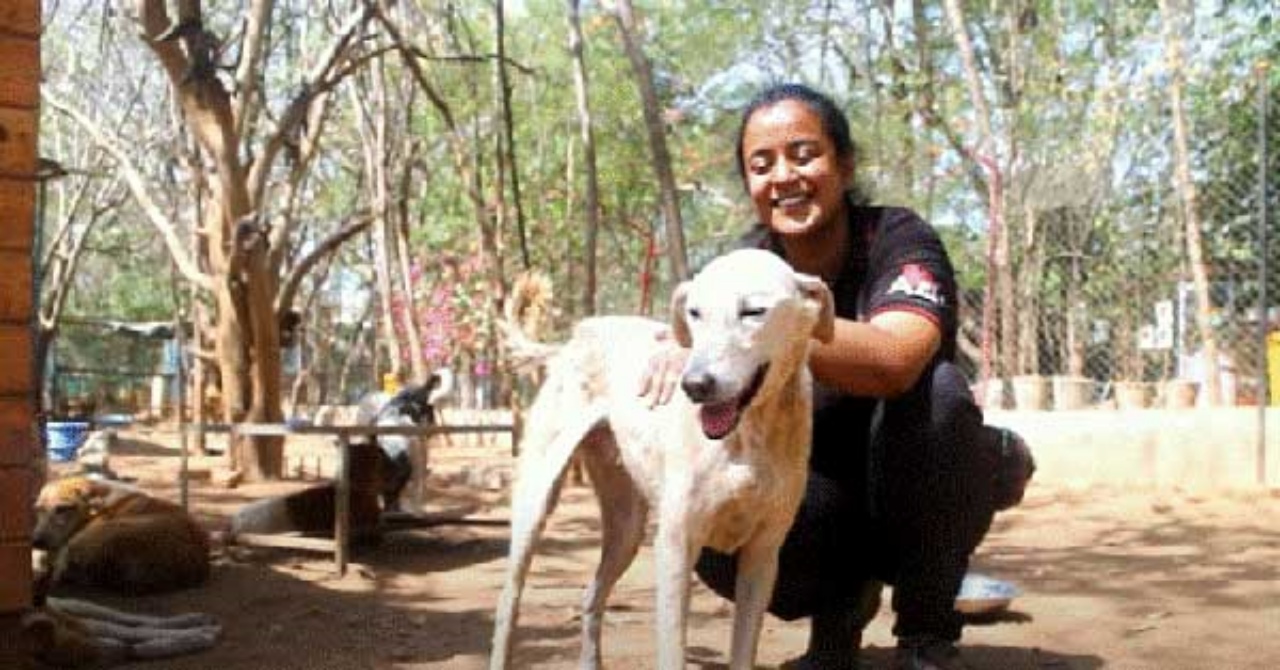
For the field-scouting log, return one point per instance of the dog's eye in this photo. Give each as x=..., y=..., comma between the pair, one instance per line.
x=751, y=312
x=695, y=314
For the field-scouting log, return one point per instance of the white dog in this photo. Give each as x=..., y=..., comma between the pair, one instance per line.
x=727, y=472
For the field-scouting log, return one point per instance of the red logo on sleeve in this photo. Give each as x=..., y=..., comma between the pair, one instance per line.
x=916, y=280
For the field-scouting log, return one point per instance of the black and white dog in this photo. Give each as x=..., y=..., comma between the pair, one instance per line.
x=311, y=510
x=411, y=406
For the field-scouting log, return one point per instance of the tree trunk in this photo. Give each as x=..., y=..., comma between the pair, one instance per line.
x=404, y=257
x=261, y=459
x=467, y=167
x=1190, y=207
x=984, y=156
x=674, y=227
x=244, y=265
x=507, y=157
x=581, y=82
x=1028, y=304
x=371, y=104
x=61, y=260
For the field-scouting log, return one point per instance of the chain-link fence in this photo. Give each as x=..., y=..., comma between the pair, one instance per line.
x=99, y=367
x=1115, y=287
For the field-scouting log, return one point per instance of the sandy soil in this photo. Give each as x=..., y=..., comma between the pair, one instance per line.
x=1111, y=578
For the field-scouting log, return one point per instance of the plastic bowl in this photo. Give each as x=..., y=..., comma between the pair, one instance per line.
x=64, y=439
x=980, y=594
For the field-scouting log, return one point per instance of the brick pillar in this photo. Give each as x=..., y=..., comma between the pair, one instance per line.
x=19, y=441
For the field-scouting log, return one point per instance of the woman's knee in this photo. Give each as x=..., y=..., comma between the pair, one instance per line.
x=819, y=564
x=798, y=593
x=953, y=410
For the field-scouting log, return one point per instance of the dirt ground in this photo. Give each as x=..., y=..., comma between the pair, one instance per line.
x=1110, y=578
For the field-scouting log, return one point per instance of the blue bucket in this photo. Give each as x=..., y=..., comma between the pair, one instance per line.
x=64, y=438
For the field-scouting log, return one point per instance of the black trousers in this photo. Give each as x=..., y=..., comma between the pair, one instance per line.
x=913, y=521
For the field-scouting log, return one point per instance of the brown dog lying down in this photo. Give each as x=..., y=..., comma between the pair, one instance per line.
x=112, y=535
x=66, y=633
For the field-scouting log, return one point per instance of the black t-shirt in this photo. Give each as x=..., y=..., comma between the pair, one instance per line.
x=896, y=262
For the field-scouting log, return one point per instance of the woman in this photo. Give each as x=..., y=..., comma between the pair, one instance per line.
x=904, y=476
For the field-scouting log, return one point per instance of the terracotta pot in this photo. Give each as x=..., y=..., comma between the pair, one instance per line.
x=1030, y=392
x=1133, y=395
x=1180, y=394
x=1070, y=393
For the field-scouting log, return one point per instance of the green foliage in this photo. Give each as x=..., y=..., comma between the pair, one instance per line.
x=1077, y=91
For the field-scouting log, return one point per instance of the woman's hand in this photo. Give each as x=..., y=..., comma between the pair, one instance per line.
x=663, y=373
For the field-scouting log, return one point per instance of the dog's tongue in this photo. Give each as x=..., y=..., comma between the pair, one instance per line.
x=718, y=419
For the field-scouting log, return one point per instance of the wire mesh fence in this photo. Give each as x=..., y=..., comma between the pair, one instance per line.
x=1122, y=289
x=101, y=367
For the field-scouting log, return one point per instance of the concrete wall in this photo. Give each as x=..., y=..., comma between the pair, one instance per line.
x=19, y=103
x=1200, y=449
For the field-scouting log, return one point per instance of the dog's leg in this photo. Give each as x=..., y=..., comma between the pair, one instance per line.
x=168, y=642
x=535, y=494
x=674, y=556
x=622, y=519
x=87, y=610
x=111, y=636
x=757, y=572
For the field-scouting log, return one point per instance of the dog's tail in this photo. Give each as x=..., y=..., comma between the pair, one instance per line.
x=534, y=496
x=523, y=352
x=525, y=315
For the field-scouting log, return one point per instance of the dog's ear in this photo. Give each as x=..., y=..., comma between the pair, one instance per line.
x=679, y=326
x=816, y=291
x=94, y=495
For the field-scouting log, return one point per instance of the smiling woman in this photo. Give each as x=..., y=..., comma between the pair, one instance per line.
x=903, y=477
x=795, y=175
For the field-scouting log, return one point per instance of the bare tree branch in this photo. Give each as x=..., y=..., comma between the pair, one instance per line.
x=317, y=82
x=289, y=287
x=205, y=101
x=139, y=188
x=677, y=255
x=472, y=58
x=256, y=21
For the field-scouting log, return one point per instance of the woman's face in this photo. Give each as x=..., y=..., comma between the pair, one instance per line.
x=794, y=177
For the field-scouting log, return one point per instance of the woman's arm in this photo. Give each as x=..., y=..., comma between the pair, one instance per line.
x=881, y=358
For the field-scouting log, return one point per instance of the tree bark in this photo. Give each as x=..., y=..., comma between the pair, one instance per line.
x=240, y=243
x=983, y=155
x=404, y=258
x=507, y=158
x=1190, y=207
x=586, y=129
x=370, y=101
x=661, y=156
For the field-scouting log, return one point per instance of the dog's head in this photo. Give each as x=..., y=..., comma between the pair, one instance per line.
x=65, y=506
x=745, y=313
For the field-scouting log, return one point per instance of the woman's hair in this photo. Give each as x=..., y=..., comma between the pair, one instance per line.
x=834, y=123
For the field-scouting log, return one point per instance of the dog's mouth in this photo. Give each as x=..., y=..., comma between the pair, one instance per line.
x=720, y=418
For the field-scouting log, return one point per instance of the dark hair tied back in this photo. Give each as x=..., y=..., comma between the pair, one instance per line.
x=834, y=123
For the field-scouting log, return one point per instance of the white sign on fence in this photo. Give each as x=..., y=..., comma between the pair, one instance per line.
x=1158, y=335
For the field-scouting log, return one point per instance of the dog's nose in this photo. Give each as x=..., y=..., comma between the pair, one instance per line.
x=698, y=385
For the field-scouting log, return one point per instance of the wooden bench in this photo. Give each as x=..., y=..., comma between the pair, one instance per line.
x=339, y=546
